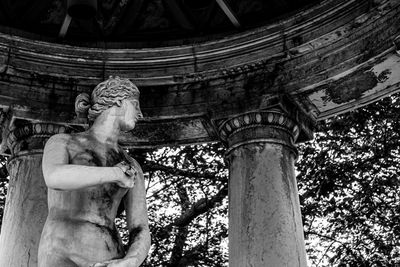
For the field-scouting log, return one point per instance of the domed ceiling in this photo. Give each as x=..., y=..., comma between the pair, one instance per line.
x=146, y=23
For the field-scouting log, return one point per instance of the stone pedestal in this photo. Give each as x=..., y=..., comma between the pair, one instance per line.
x=26, y=205
x=265, y=227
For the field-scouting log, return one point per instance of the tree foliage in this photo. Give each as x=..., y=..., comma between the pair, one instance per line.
x=186, y=193
x=3, y=185
x=349, y=187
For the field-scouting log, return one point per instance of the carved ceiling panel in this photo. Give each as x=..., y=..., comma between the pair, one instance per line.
x=143, y=20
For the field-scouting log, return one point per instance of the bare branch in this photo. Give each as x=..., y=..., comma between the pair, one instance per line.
x=200, y=207
x=153, y=166
x=194, y=254
x=183, y=231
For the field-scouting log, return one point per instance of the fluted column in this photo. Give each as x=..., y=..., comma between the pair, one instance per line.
x=265, y=226
x=26, y=205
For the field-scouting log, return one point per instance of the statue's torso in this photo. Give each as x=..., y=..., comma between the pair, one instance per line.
x=85, y=218
x=97, y=204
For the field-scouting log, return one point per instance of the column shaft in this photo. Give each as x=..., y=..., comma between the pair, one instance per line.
x=25, y=212
x=265, y=227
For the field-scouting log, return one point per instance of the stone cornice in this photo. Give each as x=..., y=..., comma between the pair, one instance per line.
x=291, y=55
x=236, y=54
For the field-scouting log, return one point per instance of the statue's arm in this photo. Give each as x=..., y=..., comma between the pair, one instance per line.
x=60, y=175
x=137, y=221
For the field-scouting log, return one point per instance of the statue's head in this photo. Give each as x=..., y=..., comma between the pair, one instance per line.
x=105, y=95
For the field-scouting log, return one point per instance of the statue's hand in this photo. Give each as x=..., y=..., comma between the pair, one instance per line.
x=126, y=175
x=112, y=263
x=117, y=263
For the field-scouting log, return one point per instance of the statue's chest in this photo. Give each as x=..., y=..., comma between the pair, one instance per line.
x=103, y=194
x=98, y=157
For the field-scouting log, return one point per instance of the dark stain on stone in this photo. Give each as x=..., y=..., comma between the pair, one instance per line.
x=133, y=234
x=113, y=157
x=107, y=246
x=286, y=175
x=250, y=84
x=350, y=87
x=94, y=158
x=154, y=95
x=164, y=131
x=297, y=40
x=113, y=233
x=264, y=80
x=384, y=76
x=53, y=98
x=103, y=196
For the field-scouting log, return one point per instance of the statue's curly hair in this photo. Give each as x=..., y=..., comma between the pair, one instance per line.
x=104, y=96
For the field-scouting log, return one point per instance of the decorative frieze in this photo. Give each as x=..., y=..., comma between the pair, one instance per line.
x=280, y=120
x=271, y=126
x=274, y=118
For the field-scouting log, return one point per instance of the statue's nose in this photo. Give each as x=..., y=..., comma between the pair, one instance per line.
x=140, y=114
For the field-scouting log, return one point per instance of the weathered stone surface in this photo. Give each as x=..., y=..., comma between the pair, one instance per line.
x=265, y=227
x=330, y=58
x=25, y=212
x=26, y=204
x=366, y=83
x=172, y=132
x=320, y=56
x=88, y=176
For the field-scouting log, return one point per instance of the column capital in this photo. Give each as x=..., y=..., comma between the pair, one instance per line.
x=280, y=120
x=28, y=136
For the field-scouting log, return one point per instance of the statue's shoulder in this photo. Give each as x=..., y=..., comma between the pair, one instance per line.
x=67, y=140
x=133, y=162
x=136, y=165
x=59, y=139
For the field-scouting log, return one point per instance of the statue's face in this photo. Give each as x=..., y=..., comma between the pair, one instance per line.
x=132, y=113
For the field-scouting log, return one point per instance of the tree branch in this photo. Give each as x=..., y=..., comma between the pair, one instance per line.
x=183, y=231
x=200, y=207
x=153, y=166
x=194, y=254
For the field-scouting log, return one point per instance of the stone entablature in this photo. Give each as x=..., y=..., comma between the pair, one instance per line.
x=331, y=58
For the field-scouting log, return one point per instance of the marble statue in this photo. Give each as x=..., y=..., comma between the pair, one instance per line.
x=88, y=176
